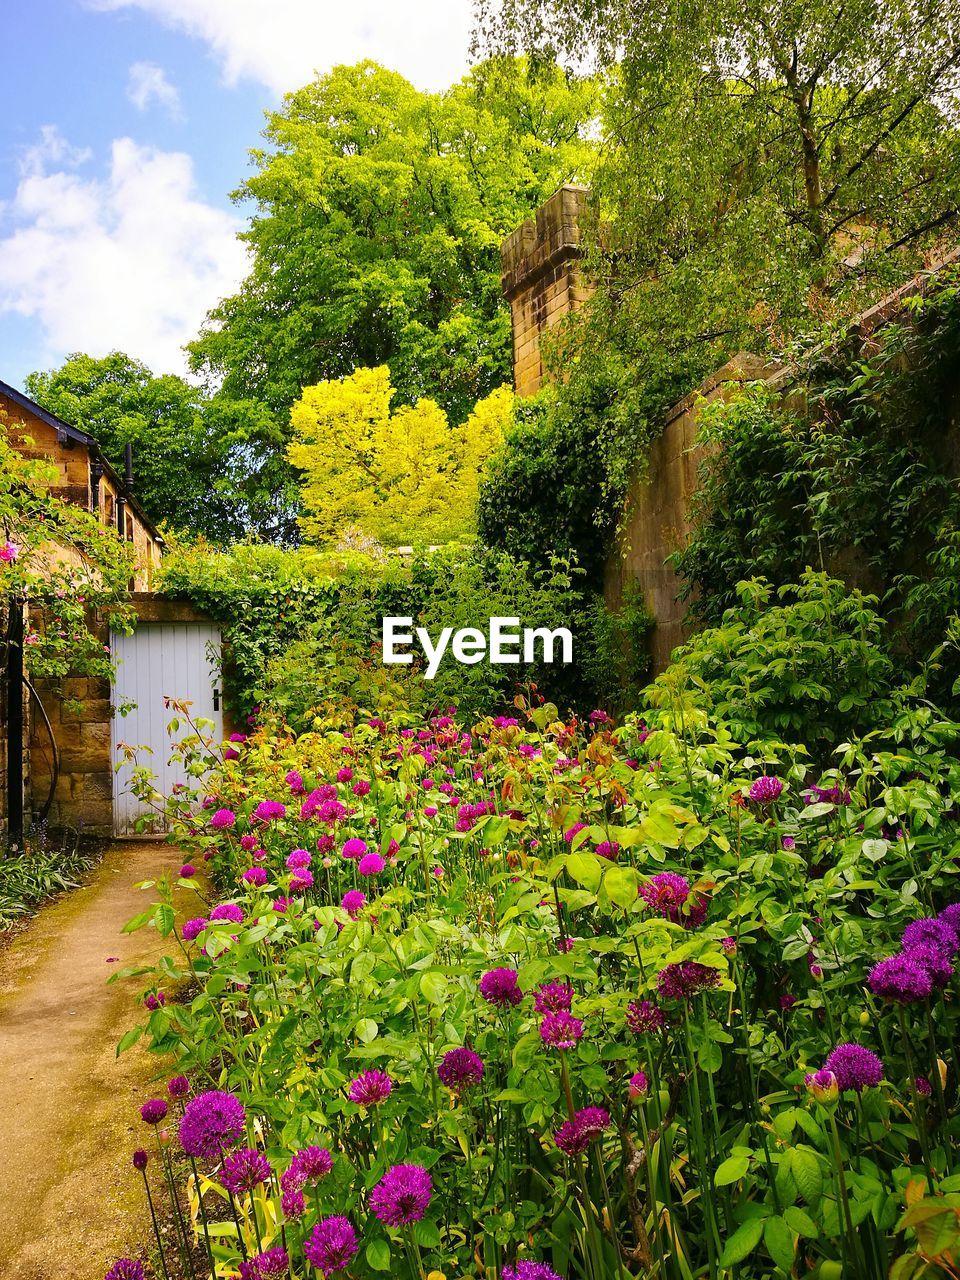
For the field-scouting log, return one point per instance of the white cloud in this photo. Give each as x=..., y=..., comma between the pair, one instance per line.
x=281, y=43
x=148, y=83
x=53, y=148
x=132, y=261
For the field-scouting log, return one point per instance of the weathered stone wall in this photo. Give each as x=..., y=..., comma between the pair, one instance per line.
x=542, y=280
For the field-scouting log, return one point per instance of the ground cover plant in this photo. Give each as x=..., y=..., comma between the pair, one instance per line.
x=538, y=997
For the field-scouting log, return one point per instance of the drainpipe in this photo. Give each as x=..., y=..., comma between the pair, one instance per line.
x=15, y=721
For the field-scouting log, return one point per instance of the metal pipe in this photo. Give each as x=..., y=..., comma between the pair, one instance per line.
x=15, y=720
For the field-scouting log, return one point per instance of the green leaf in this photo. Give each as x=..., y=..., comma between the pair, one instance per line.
x=586, y=869
x=129, y=1040
x=366, y=1030
x=732, y=1170
x=807, y=1174
x=378, y=1254
x=800, y=1222
x=710, y=1057
x=620, y=884
x=433, y=986
x=780, y=1243
x=742, y=1243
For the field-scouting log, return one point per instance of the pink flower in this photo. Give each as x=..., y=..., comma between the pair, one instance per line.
x=354, y=847
x=371, y=864
x=9, y=552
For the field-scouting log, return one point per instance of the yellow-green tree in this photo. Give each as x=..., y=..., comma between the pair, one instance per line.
x=402, y=475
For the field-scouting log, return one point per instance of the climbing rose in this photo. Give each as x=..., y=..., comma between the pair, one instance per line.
x=210, y=1122
x=125, y=1269
x=667, y=894
x=766, y=789
x=460, y=1068
x=153, y=1111
x=855, y=1067
x=526, y=1270
x=244, y=1170
x=332, y=1245
x=499, y=987
x=402, y=1195
x=9, y=552
x=900, y=978
x=370, y=864
x=370, y=1088
x=193, y=928
x=222, y=819
x=560, y=1030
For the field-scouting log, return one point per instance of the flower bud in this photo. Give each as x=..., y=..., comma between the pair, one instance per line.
x=822, y=1086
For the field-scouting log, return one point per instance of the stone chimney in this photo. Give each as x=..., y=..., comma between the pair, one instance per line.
x=542, y=280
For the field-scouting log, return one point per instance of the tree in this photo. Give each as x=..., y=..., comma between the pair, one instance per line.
x=379, y=213
x=402, y=476
x=194, y=456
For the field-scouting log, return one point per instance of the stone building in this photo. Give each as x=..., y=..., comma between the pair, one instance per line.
x=59, y=740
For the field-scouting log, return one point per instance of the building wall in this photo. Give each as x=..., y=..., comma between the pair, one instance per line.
x=541, y=279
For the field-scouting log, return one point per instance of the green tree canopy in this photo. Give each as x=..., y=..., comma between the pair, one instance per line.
x=379, y=212
x=195, y=466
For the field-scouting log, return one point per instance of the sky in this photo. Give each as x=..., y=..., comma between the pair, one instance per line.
x=125, y=125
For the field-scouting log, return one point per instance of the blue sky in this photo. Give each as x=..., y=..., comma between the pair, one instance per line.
x=124, y=125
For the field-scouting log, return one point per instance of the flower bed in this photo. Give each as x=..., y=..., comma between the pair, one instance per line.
x=547, y=999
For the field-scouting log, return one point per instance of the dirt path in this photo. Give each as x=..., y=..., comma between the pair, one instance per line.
x=70, y=1201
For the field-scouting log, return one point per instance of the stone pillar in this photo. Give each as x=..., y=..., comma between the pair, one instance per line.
x=542, y=280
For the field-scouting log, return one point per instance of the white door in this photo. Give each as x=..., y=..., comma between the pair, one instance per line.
x=160, y=661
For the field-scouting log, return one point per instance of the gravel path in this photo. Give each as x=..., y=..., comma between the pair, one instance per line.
x=70, y=1201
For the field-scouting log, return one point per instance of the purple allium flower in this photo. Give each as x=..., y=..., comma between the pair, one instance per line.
x=310, y=1165
x=187, y=871
x=178, y=1087
x=950, y=916
x=638, y=1086
x=644, y=1018
x=608, y=849
x=354, y=847
x=402, y=1195
x=460, y=1068
x=900, y=978
x=931, y=932
x=332, y=1245
x=787, y=1001
x=244, y=1170
x=370, y=1088
x=527, y=1270
x=575, y=1135
x=193, y=928
x=345, y=774
x=430, y=811
x=855, y=1067
x=140, y=1159
x=371, y=864
x=352, y=902
x=822, y=1085
x=766, y=789
x=222, y=819
x=298, y=859
x=211, y=1122
x=153, y=1111
x=293, y=1203
x=361, y=788
x=227, y=911
x=729, y=946
x=294, y=781
x=125, y=1269
x=668, y=894
x=499, y=987
x=248, y=842
x=302, y=881
x=685, y=980
x=266, y=1265
x=923, y=1086
x=560, y=1030
x=270, y=810
x=593, y=1121
x=255, y=876
x=552, y=997
x=938, y=964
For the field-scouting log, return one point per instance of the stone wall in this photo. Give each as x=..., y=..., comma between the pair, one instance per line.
x=541, y=279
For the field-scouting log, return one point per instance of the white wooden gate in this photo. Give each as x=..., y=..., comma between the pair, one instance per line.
x=160, y=661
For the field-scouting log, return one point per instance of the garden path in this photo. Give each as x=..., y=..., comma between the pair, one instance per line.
x=70, y=1201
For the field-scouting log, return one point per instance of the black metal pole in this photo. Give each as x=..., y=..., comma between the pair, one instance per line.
x=15, y=721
